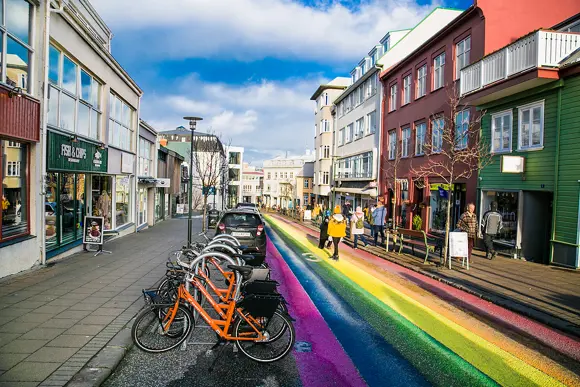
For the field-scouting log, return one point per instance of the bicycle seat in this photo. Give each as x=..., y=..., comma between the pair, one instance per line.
x=245, y=257
x=245, y=271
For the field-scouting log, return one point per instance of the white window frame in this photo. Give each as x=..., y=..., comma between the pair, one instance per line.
x=393, y=96
x=113, y=121
x=501, y=115
x=15, y=169
x=462, y=55
x=349, y=133
x=326, y=150
x=421, y=82
x=420, y=145
x=359, y=128
x=439, y=71
x=521, y=109
x=407, y=89
x=340, y=139
x=437, y=134
x=371, y=129
x=405, y=139
x=392, y=144
x=326, y=178
x=459, y=125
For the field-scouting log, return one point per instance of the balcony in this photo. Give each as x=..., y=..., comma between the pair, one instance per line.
x=538, y=50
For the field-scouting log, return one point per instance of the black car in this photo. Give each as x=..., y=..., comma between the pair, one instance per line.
x=246, y=225
x=247, y=205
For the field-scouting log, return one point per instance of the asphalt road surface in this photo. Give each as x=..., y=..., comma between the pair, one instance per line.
x=365, y=321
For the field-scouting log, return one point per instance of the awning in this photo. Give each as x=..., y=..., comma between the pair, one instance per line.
x=360, y=191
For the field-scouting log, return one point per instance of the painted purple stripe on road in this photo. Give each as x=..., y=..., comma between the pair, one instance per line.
x=327, y=364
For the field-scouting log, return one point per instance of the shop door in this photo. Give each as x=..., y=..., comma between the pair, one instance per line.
x=537, y=226
x=458, y=202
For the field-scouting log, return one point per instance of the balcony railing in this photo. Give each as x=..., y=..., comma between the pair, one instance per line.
x=539, y=49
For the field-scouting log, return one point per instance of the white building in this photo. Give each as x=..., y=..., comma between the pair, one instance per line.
x=323, y=138
x=252, y=184
x=235, y=159
x=357, y=132
x=280, y=179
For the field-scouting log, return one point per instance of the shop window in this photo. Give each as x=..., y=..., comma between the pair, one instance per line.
x=439, y=200
x=102, y=199
x=122, y=201
x=15, y=32
x=507, y=206
x=15, y=189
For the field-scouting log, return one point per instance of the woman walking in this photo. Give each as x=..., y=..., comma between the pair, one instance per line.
x=323, y=230
x=336, y=229
x=358, y=227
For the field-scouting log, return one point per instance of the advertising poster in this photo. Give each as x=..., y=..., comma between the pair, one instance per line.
x=93, y=232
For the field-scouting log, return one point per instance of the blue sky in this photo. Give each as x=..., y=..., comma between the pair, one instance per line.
x=248, y=67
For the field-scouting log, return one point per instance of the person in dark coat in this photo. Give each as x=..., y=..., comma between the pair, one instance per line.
x=323, y=230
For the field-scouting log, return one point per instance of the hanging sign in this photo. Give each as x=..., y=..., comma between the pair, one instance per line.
x=66, y=154
x=93, y=230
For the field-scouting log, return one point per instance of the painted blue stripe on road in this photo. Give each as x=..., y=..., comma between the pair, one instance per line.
x=377, y=361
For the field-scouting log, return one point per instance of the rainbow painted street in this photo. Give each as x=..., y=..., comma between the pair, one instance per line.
x=365, y=321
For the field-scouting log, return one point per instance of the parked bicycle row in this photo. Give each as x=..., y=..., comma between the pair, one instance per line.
x=225, y=285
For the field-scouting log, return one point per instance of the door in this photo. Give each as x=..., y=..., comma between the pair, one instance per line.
x=537, y=226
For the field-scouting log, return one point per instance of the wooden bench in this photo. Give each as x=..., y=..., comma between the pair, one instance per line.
x=414, y=238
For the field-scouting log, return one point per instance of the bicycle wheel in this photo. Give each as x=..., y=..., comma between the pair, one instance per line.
x=148, y=333
x=279, y=333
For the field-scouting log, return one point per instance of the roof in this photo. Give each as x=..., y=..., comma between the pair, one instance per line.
x=307, y=170
x=147, y=126
x=571, y=60
x=338, y=83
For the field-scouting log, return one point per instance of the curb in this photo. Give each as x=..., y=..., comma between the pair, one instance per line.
x=102, y=365
x=529, y=311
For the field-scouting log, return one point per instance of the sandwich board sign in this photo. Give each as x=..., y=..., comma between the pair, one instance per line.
x=458, y=246
x=93, y=233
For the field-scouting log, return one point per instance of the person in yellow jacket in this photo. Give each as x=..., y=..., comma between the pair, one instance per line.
x=336, y=229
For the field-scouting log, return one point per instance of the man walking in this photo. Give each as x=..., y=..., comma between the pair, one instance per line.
x=468, y=223
x=491, y=225
x=379, y=215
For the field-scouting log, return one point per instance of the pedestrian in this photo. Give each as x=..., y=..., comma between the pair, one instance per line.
x=379, y=215
x=370, y=220
x=336, y=229
x=358, y=227
x=491, y=226
x=468, y=223
x=323, y=231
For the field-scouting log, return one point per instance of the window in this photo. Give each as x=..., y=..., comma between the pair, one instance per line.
x=374, y=83
x=439, y=71
x=501, y=132
x=393, y=98
x=327, y=151
x=305, y=183
x=437, y=126
x=349, y=133
x=392, y=144
x=462, y=50
x=269, y=176
x=406, y=132
x=360, y=128
x=421, y=82
x=120, y=123
x=325, y=99
x=420, y=130
x=340, y=109
x=74, y=97
x=324, y=126
x=372, y=122
x=326, y=178
x=531, y=126
x=291, y=175
x=122, y=200
x=13, y=168
x=462, y=129
x=406, y=90
x=341, y=136
x=15, y=43
x=358, y=166
x=145, y=157
x=360, y=91
x=13, y=144
x=275, y=175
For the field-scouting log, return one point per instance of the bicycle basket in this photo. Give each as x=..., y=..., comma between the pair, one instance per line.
x=152, y=296
x=260, y=287
x=260, y=305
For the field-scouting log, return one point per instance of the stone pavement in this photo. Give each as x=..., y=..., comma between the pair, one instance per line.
x=55, y=319
x=545, y=293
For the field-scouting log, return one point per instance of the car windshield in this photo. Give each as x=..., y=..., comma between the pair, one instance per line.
x=239, y=220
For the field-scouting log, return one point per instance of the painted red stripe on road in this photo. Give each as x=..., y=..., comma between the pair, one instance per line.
x=327, y=364
x=547, y=336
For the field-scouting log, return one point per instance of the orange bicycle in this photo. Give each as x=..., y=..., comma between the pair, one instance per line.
x=260, y=330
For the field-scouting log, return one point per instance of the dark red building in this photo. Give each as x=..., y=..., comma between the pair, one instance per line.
x=415, y=93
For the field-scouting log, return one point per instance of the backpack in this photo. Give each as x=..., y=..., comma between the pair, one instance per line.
x=360, y=223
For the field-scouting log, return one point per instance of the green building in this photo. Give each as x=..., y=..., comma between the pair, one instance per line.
x=529, y=92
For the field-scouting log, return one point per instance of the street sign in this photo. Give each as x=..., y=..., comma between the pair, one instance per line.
x=208, y=190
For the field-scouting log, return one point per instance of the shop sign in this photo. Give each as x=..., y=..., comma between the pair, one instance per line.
x=77, y=156
x=93, y=232
x=512, y=164
x=437, y=186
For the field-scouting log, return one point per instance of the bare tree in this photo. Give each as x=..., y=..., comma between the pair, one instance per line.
x=196, y=198
x=287, y=190
x=208, y=158
x=454, y=150
x=391, y=162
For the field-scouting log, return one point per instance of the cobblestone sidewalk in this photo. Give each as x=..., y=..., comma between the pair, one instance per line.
x=55, y=319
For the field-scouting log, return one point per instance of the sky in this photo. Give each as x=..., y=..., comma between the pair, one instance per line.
x=248, y=67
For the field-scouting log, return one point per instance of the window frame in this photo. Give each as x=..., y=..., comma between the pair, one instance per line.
x=501, y=114
x=521, y=109
x=441, y=69
x=26, y=200
x=466, y=138
x=349, y=132
x=359, y=130
x=406, y=94
x=405, y=141
x=393, y=97
x=439, y=148
x=392, y=147
x=114, y=97
x=421, y=151
x=421, y=82
x=464, y=53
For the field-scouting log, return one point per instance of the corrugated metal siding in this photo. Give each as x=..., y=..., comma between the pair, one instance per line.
x=19, y=117
x=569, y=167
x=539, y=165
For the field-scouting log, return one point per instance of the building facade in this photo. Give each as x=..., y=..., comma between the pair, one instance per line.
x=167, y=191
x=146, y=175
x=280, y=176
x=530, y=97
x=252, y=184
x=304, y=187
x=417, y=104
x=235, y=157
x=324, y=97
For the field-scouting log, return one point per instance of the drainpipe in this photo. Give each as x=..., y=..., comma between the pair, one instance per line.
x=556, y=170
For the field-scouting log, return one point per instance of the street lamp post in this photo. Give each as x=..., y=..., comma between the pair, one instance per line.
x=192, y=125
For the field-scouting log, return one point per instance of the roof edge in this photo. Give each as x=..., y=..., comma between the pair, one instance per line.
x=321, y=88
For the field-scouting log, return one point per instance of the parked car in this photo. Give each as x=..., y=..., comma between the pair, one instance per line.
x=247, y=205
x=246, y=225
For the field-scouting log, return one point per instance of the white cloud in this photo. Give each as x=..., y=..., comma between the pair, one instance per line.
x=254, y=29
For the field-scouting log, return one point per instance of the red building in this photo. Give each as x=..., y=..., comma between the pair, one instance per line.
x=416, y=90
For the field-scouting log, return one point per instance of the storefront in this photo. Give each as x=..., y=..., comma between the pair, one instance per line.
x=72, y=189
x=439, y=201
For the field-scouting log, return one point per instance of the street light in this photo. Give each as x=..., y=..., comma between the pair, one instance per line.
x=192, y=125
